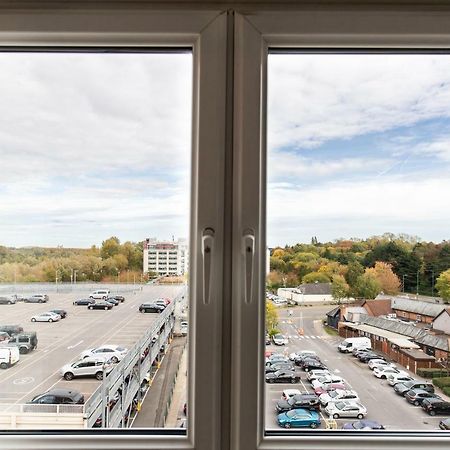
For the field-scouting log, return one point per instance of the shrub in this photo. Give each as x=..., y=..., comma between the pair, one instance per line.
x=433, y=373
x=446, y=390
x=442, y=382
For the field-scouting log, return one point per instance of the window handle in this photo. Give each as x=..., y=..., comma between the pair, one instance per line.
x=248, y=245
x=207, y=250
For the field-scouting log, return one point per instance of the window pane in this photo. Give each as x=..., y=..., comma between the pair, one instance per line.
x=95, y=153
x=357, y=230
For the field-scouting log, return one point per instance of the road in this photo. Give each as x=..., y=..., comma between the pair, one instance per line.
x=62, y=342
x=383, y=405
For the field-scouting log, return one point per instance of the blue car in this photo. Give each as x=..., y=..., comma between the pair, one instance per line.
x=297, y=418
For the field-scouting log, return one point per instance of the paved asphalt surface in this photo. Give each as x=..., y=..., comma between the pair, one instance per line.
x=383, y=405
x=62, y=342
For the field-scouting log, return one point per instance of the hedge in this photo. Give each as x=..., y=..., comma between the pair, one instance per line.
x=446, y=390
x=433, y=373
x=442, y=382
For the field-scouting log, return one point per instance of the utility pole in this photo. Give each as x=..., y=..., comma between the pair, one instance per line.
x=417, y=284
x=403, y=284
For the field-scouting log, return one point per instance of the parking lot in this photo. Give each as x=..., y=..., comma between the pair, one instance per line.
x=62, y=342
x=382, y=404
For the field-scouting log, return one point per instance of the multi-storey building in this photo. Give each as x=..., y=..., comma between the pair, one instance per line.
x=166, y=258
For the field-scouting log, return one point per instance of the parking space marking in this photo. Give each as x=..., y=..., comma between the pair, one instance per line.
x=75, y=345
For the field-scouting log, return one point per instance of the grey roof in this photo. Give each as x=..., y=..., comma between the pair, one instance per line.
x=419, y=335
x=417, y=307
x=334, y=312
x=315, y=289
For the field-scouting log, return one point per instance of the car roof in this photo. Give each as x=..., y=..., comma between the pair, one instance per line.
x=62, y=392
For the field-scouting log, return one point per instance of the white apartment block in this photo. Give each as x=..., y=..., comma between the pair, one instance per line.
x=166, y=258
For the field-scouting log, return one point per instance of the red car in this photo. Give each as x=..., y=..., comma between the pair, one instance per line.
x=330, y=387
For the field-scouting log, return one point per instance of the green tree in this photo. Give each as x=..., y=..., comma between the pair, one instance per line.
x=271, y=317
x=367, y=286
x=315, y=277
x=110, y=247
x=443, y=285
x=339, y=288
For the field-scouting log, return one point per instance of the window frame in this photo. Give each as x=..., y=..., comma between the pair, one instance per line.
x=137, y=28
x=318, y=28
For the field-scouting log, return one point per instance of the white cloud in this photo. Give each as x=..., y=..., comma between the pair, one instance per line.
x=315, y=98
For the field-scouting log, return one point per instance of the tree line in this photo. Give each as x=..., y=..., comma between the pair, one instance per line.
x=112, y=261
x=364, y=268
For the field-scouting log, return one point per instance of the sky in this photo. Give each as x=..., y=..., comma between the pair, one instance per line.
x=95, y=145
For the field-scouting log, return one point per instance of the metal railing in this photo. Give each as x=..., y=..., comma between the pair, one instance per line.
x=15, y=408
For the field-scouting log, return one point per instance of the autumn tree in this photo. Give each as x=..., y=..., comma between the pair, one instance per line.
x=315, y=277
x=389, y=282
x=271, y=318
x=110, y=247
x=339, y=288
x=443, y=285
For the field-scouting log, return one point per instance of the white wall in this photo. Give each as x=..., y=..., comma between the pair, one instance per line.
x=442, y=323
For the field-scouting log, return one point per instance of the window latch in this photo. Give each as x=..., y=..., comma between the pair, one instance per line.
x=207, y=250
x=248, y=245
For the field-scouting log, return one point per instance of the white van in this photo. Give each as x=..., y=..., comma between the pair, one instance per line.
x=347, y=345
x=100, y=294
x=8, y=356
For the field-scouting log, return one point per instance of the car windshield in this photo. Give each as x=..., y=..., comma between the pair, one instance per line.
x=359, y=425
x=333, y=394
x=340, y=405
x=292, y=413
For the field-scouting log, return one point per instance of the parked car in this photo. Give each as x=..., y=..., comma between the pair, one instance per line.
x=346, y=408
x=302, y=353
x=347, y=345
x=384, y=371
x=36, y=298
x=298, y=418
x=151, y=308
x=337, y=395
x=113, y=301
x=11, y=329
x=403, y=388
x=356, y=351
x=329, y=387
x=120, y=298
x=113, y=352
x=59, y=396
x=279, y=339
x=309, y=365
x=25, y=342
x=303, y=358
x=366, y=356
x=83, y=302
x=61, y=312
x=395, y=378
x=161, y=302
x=276, y=358
x=279, y=366
x=379, y=363
x=327, y=379
x=282, y=376
x=306, y=401
x=417, y=396
x=363, y=425
x=7, y=300
x=90, y=367
x=317, y=373
x=100, y=294
x=435, y=406
x=268, y=341
x=184, y=327
x=288, y=393
x=101, y=304
x=4, y=336
x=444, y=424
x=46, y=317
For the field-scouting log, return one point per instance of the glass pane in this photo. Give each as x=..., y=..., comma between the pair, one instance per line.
x=357, y=230
x=95, y=153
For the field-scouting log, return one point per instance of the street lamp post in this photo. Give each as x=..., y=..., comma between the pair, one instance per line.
x=403, y=285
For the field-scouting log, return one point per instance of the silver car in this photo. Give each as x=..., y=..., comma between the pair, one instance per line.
x=46, y=317
x=345, y=408
x=88, y=367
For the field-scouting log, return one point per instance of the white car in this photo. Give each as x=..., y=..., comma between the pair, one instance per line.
x=395, y=378
x=279, y=339
x=113, y=352
x=379, y=363
x=94, y=367
x=345, y=408
x=323, y=381
x=46, y=317
x=100, y=294
x=317, y=373
x=184, y=327
x=295, y=355
x=288, y=393
x=337, y=395
x=279, y=301
x=383, y=372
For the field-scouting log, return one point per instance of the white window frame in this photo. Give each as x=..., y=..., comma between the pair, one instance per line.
x=308, y=27
x=205, y=33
